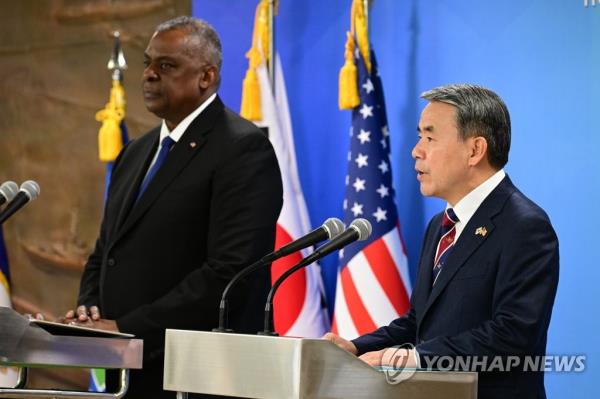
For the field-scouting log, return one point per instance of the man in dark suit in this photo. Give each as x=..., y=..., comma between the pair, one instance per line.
x=488, y=270
x=191, y=203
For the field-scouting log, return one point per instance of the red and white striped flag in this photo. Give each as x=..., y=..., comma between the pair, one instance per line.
x=299, y=308
x=373, y=286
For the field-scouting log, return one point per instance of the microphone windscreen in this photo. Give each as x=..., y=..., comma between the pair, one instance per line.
x=334, y=227
x=31, y=189
x=9, y=190
x=363, y=227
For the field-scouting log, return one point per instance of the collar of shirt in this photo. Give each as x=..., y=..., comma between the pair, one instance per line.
x=179, y=129
x=185, y=123
x=468, y=205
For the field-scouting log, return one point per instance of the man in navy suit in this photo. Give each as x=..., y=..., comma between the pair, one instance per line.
x=488, y=270
x=191, y=203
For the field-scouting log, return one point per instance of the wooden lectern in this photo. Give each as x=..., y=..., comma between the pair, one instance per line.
x=264, y=367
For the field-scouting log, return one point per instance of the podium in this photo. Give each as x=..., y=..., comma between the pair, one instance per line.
x=26, y=345
x=264, y=367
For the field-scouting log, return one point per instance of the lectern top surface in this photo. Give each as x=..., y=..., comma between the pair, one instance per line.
x=61, y=329
x=26, y=343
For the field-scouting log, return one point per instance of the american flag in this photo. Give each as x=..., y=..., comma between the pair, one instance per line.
x=373, y=283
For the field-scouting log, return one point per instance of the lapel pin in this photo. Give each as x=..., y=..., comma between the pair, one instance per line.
x=481, y=231
x=193, y=144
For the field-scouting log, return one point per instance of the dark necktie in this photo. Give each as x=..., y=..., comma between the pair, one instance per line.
x=446, y=242
x=165, y=146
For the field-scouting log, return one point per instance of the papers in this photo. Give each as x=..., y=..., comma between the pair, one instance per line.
x=55, y=328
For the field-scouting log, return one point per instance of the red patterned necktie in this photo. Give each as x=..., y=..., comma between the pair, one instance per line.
x=446, y=242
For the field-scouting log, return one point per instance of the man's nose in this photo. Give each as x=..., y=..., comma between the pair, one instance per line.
x=149, y=73
x=417, y=152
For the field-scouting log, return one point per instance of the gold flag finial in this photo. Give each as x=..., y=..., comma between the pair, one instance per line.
x=110, y=139
x=258, y=53
x=357, y=37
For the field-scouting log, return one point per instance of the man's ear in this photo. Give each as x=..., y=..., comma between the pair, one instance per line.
x=209, y=77
x=478, y=150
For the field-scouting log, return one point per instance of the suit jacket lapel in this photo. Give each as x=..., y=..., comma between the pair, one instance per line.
x=182, y=153
x=424, y=280
x=469, y=241
x=139, y=171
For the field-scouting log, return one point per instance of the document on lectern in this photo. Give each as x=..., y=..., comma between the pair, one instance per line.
x=55, y=328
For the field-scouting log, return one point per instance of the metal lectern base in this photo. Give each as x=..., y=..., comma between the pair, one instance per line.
x=26, y=346
x=19, y=390
x=263, y=367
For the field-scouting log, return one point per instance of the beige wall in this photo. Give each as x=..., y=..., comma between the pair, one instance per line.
x=53, y=79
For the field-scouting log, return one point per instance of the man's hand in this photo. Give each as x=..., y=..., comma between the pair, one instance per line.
x=393, y=357
x=37, y=316
x=102, y=324
x=81, y=315
x=341, y=342
x=84, y=314
x=88, y=317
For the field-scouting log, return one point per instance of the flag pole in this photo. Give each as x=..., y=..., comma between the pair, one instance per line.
x=117, y=63
x=273, y=11
x=366, y=4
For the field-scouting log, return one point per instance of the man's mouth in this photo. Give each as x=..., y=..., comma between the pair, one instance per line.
x=151, y=94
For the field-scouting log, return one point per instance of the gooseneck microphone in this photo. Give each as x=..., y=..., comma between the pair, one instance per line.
x=8, y=191
x=359, y=230
x=331, y=228
x=28, y=192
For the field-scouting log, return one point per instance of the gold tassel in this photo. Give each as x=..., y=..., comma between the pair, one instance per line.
x=251, y=107
x=251, y=101
x=348, y=94
x=110, y=139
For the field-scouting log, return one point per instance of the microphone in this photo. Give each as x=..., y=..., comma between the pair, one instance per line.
x=28, y=192
x=331, y=228
x=359, y=230
x=8, y=190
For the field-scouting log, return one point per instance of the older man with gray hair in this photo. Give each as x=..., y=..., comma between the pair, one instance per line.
x=488, y=270
x=191, y=203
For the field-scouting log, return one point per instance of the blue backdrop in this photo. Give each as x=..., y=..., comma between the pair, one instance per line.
x=541, y=56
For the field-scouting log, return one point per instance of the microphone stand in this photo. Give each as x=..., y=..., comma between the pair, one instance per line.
x=223, y=304
x=268, y=323
x=331, y=228
x=360, y=230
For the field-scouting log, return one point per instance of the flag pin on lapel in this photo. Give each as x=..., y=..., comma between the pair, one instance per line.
x=193, y=144
x=481, y=231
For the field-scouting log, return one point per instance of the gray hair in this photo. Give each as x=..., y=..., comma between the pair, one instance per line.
x=207, y=38
x=479, y=112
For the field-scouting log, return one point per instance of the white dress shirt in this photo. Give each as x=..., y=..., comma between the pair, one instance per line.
x=468, y=205
x=179, y=129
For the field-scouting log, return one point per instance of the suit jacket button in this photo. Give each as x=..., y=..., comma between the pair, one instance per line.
x=421, y=341
x=112, y=262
